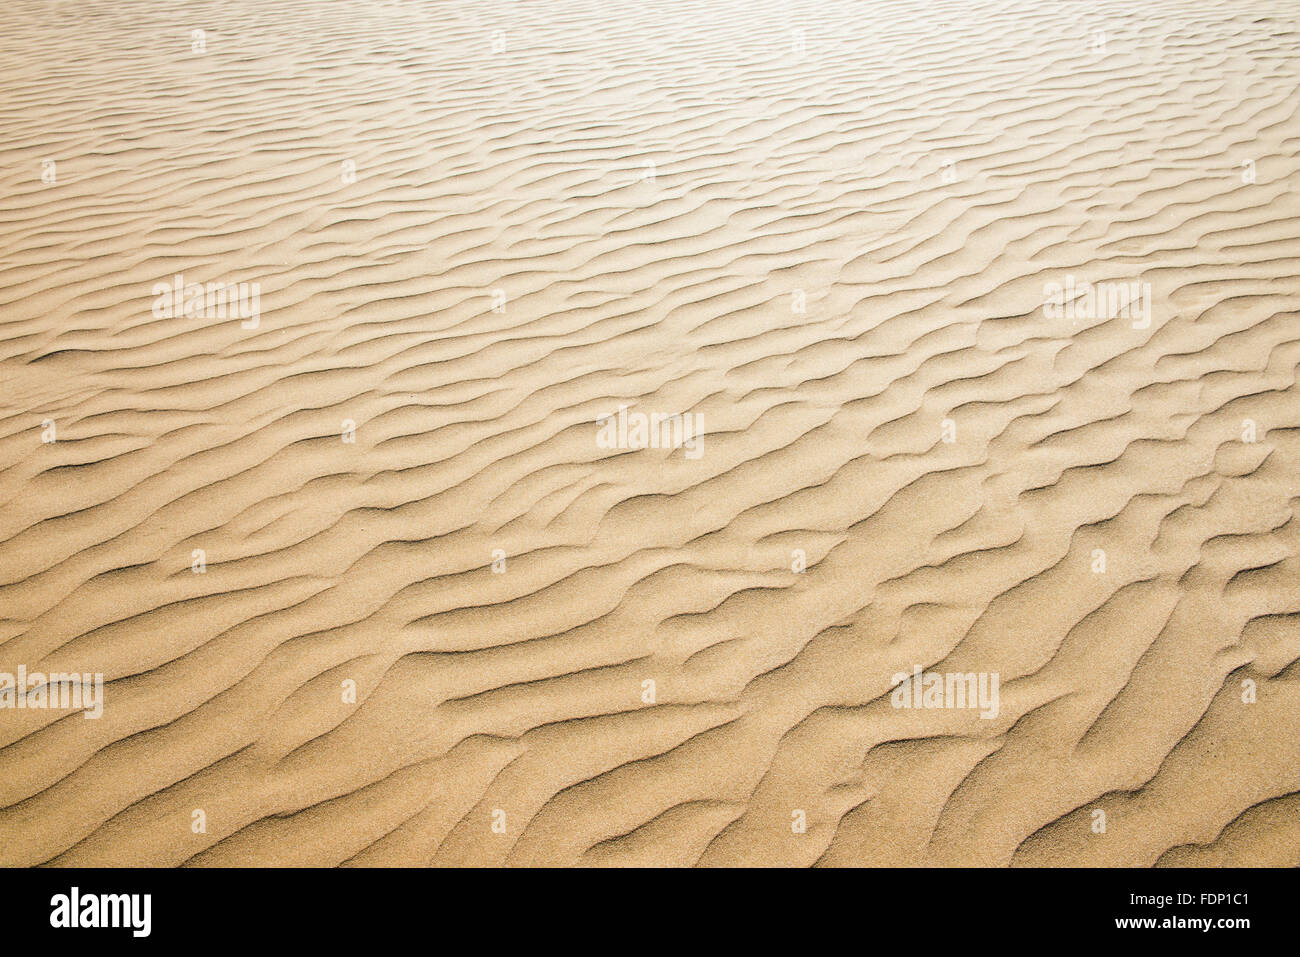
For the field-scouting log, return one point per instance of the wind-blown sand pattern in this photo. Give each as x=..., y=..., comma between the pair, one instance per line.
x=948, y=459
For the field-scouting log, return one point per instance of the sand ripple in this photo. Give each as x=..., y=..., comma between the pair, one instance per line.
x=799, y=152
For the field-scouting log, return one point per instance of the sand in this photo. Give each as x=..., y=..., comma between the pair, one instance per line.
x=833, y=238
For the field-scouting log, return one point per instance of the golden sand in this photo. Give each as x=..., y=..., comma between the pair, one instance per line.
x=866, y=248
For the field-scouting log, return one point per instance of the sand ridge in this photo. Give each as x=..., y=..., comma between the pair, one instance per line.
x=826, y=231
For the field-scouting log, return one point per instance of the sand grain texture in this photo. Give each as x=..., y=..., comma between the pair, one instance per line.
x=776, y=173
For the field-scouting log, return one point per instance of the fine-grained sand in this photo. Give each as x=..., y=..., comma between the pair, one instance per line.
x=824, y=231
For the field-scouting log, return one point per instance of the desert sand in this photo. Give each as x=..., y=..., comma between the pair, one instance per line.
x=368, y=585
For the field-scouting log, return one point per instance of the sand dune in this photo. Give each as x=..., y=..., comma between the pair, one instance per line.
x=864, y=250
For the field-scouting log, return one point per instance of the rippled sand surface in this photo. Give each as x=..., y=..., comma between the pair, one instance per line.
x=824, y=230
